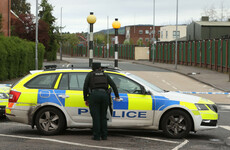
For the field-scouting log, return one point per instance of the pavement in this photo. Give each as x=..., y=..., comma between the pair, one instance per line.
x=213, y=78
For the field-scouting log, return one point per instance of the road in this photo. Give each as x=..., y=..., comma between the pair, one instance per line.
x=19, y=136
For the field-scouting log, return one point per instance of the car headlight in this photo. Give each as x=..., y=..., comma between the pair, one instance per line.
x=213, y=107
x=201, y=107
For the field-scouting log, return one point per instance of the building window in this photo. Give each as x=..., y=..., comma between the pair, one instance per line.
x=166, y=34
x=146, y=31
x=146, y=39
x=141, y=39
x=162, y=34
x=174, y=34
x=140, y=31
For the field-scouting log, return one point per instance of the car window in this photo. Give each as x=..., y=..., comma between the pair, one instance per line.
x=125, y=85
x=64, y=83
x=72, y=81
x=45, y=81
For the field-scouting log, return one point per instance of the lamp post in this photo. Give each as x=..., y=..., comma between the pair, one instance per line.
x=61, y=36
x=116, y=25
x=91, y=19
x=36, y=38
x=154, y=29
x=176, y=34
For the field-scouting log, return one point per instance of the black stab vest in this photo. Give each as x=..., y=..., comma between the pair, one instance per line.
x=98, y=80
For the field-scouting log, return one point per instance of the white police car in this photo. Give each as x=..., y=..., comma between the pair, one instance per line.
x=52, y=100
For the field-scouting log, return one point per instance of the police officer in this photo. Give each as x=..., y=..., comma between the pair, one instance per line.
x=96, y=96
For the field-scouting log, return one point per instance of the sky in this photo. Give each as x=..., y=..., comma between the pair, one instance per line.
x=128, y=12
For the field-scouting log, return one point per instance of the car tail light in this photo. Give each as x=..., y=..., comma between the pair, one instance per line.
x=13, y=96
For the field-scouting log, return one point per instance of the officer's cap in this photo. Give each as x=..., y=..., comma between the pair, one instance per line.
x=96, y=65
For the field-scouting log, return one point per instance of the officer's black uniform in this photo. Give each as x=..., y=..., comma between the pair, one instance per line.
x=96, y=93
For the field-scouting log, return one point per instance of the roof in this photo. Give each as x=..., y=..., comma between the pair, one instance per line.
x=212, y=23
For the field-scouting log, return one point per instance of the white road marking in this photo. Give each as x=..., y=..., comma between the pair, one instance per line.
x=59, y=141
x=225, y=127
x=169, y=84
x=224, y=107
x=154, y=139
x=181, y=145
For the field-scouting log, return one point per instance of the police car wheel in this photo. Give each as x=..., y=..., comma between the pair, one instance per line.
x=50, y=121
x=176, y=124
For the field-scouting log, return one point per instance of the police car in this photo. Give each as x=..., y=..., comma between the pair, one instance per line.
x=4, y=91
x=52, y=100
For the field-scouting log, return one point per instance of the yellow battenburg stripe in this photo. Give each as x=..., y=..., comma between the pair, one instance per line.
x=28, y=97
x=58, y=80
x=209, y=115
x=75, y=100
x=140, y=102
x=190, y=106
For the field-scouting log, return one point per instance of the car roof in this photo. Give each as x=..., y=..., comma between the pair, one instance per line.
x=54, y=68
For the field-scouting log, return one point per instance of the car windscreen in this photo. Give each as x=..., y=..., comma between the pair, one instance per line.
x=140, y=80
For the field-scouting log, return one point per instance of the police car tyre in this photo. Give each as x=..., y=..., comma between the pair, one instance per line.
x=50, y=121
x=176, y=124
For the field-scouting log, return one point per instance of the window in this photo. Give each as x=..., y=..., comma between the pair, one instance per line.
x=166, y=34
x=174, y=34
x=72, y=81
x=125, y=85
x=46, y=81
x=162, y=34
x=146, y=39
x=146, y=31
x=64, y=83
x=140, y=31
x=76, y=81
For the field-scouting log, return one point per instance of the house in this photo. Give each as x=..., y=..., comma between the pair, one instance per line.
x=168, y=33
x=144, y=33
x=5, y=6
x=205, y=29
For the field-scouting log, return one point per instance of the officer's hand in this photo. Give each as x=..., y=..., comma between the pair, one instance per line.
x=117, y=99
x=86, y=103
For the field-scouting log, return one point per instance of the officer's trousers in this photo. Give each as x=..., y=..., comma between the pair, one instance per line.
x=98, y=105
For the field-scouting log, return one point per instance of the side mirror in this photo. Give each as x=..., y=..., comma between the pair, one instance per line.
x=144, y=91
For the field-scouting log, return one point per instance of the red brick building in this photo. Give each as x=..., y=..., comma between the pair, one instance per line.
x=5, y=6
x=141, y=32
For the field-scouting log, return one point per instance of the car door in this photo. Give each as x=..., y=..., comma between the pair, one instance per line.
x=136, y=108
x=71, y=85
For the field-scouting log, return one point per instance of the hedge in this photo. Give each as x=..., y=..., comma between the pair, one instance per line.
x=17, y=57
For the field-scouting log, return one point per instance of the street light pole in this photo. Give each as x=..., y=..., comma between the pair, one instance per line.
x=176, y=34
x=36, y=38
x=116, y=25
x=91, y=19
x=61, y=36
x=153, y=29
x=107, y=37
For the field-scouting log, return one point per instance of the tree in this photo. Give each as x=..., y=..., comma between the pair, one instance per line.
x=100, y=38
x=70, y=39
x=20, y=7
x=46, y=15
x=24, y=27
x=214, y=14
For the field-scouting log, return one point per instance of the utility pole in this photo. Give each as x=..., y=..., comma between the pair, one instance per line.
x=36, y=38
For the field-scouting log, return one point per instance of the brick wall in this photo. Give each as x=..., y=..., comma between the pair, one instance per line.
x=139, y=31
x=5, y=6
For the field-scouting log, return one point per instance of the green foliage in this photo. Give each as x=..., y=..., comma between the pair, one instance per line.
x=128, y=42
x=18, y=57
x=70, y=39
x=20, y=7
x=46, y=15
x=100, y=39
x=140, y=42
